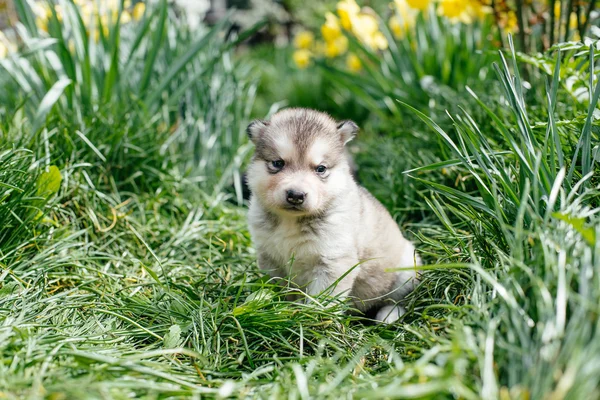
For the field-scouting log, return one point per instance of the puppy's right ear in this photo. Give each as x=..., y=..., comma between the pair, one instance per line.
x=256, y=129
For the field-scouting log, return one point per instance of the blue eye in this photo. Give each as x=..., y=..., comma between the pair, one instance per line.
x=321, y=169
x=278, y=164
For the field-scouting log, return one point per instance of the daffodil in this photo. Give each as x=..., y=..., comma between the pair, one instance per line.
x=138, y=11
x=421, y=5
x=353, y=62
x=347, y=10
x=378, y=41
x=573, y=21
x=43, y=14
x=331, y=28
x=403, y=19
x=366, y=29
x=302, y=58
x=557, y=9
x=125, y=17
x=304, y=40
x=456, y=10
x=398, y=27
x=336, y=47
x=479, y=9
x=510, y=22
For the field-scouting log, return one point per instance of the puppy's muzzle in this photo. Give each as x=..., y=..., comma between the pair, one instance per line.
x=295, y=197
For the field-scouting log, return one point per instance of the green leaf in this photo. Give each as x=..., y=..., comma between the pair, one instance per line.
x=173, y=337
x=48, y=102
x=49, y=181
x=578, y=224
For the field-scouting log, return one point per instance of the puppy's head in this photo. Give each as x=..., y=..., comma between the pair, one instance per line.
x=299, y=166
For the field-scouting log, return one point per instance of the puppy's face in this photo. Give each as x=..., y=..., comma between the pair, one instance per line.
x=299, y=165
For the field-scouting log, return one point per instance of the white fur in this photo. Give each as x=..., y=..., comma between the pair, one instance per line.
x=340, y=230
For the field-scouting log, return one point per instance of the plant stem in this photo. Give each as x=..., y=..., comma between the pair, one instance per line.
x=552, y=22
x=521, y=23
x=588, y=15
x=568, y=20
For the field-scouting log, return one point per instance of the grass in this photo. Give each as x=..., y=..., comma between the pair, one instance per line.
x=132, y=274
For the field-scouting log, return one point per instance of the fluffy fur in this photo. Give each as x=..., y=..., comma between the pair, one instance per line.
x=312, y=223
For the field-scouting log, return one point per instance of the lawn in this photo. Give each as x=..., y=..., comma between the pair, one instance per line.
x=126, y=266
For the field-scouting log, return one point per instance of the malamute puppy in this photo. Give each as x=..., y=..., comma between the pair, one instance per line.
x=312, y=223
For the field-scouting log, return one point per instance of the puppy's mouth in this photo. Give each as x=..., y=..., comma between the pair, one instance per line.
x=294, y=208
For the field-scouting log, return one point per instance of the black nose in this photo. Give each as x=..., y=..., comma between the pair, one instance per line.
x=294, y=197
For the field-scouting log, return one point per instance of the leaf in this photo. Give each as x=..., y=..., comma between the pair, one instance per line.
x=173, y=337
x=254, y=301
x=48, y=102
x=49, y=181
x=260, y=296
x=578, y=224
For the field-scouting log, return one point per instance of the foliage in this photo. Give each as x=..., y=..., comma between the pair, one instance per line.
x=125, y=272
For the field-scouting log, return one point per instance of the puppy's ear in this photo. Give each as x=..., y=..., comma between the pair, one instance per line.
x=256, y=128
x=347, y=130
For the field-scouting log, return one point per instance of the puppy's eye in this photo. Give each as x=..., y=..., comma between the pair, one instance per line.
x=278, y=164
x=321, y=169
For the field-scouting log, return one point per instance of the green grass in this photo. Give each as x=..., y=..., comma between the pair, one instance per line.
x=133, y=274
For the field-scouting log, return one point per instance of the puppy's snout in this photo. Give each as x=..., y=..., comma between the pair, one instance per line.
x=295, y=197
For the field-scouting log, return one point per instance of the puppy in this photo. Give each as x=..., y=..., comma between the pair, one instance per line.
x=312, y=223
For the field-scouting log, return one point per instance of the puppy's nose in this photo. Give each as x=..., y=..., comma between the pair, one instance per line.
x=295, y=197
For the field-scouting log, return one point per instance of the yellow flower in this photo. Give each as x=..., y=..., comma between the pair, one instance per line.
x=456, y=10
x=480, y=9
x=336, y=47
x=347, y=10
x=331, y=28
x=511, y=22
x=304, y=40
x=125, y=17
x=397, y=27
x=557, y=9
x=378, y=41
x=419, y=4
x=138, y=11
x=573, y=21
x=302, y=58
x=353, y=62
x=404, y=19
x=366, y=29
x=365, y=25
x=43, y=14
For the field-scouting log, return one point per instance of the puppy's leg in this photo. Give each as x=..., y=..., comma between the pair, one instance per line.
x=389, y=313
x=327, y=275
x=269, y=266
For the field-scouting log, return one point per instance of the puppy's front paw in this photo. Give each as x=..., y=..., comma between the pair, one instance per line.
x=389, y=314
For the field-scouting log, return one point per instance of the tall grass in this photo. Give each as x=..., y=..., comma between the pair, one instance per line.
x=531, y=211
x=133, y=98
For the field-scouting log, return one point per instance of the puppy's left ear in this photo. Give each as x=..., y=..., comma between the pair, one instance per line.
x=256, y=129
x=347, y=130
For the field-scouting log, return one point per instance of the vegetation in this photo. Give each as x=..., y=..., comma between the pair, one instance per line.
x=126, y=268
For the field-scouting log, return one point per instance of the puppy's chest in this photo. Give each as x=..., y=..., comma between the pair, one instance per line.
x=307, y=243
